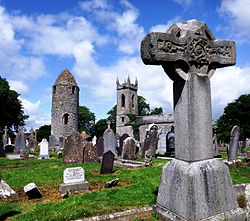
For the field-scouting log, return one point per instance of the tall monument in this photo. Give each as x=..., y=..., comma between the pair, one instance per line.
x=194, y=186
x=65, y=105
x=127, y=103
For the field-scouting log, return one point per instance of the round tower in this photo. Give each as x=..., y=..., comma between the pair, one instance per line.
x=127, y=103
x=65, y=105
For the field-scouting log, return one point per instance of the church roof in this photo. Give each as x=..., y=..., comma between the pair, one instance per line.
x=157, y=119
x=66, y=78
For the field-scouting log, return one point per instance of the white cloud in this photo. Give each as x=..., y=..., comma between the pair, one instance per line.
x=94, y=4
x=227, y=84
x=19, y=86
x=236, y=13
x=30, y=107
x=165, y=27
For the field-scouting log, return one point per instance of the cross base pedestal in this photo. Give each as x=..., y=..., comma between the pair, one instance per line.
x=197, y=191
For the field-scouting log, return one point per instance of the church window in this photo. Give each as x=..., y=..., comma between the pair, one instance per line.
x=123, y=100
x=133, y=100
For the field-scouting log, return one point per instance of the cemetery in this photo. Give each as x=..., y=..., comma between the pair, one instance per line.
x=171, y=169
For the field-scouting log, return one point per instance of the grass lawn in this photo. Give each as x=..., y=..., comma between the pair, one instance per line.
x=136, y=188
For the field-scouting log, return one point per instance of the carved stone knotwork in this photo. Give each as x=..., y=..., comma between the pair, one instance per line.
x=194, y=46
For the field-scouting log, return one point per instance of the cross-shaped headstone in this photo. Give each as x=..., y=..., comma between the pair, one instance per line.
x=189, y=54
x=194, y=186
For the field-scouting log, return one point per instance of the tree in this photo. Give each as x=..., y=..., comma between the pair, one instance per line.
x=43, y=132
x=157, y=111
x=112, y=118
x=143, y=107
x=235, y=113
x=100, y=127
x=11, y=109
x=86, y=120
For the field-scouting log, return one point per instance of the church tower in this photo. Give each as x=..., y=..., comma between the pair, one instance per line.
x=65, y=105
x=127, y=103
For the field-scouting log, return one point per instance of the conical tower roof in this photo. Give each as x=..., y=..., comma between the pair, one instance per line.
x=66, y=78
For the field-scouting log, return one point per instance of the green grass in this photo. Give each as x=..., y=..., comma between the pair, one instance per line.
x=140, y=190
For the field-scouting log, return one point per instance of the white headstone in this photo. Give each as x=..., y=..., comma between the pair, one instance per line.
x=44, y=149
x=94, y=140
x=73, y=175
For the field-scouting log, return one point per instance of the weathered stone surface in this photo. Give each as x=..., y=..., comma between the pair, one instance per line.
x=84, y=135
x=65, y=105
x=194, y=186
x=194, y=190
x=73, y=149
x=107, y=162
x=121, y=140
x=73, y=187
x=53, y=141
x=100, y=146
x=189, y=55
x=151, y=140
x=234, y=143
x=90, y=154
x=162, y=142
x=5, y=190
x=20, y=141
x=32, y=191
x=129, y=148
x=171, y=140
x=109, y=141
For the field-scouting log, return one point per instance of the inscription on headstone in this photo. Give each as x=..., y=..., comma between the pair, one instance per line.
x=73, y=175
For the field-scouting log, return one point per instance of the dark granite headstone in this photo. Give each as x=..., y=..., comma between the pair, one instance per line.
x=90, y=153
x=32, y=191
x=100, y=146
x=73, y=148
x=122, y=138
x=107, y=162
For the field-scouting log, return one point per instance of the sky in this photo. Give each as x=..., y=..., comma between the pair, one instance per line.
x=98, y=41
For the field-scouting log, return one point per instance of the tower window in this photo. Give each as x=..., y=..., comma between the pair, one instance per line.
x=73, y=89
x=133, y=100
x=65, y=118
x=122, y=119
x=123, y=100
x=54, y=89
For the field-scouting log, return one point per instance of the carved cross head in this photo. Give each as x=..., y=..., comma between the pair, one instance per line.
x=188, y=47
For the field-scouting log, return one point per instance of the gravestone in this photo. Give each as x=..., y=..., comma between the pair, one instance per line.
x=109, y=141
x=90, y=153
x=107, y=162
x=121, y=140
x=20, y=141
x=162, y=142
x=53, y=141
x=194, y=186
x=32, y=191
x=100, y=146
x=171, y=140
x=129, y=149
x=5, y=190
x=150, y=144
x=61, y=143
x=44, y=149
x=234, y=143
x=73, y=148
x=73, y=180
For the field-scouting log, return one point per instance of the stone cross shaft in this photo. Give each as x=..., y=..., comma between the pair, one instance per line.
x=189, y=54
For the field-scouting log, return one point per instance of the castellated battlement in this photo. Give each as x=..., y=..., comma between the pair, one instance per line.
x=127, y=85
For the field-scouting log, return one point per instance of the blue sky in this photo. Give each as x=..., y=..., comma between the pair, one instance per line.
x=99, y=40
